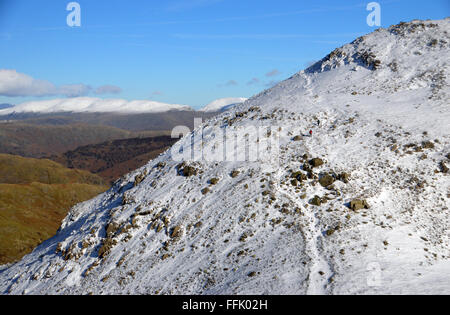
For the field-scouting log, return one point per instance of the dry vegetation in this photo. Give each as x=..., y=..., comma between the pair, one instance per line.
x=39, y=141
x=113, y=159
x=35, y=195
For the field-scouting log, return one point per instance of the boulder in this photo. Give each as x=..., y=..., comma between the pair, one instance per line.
x=234, y=174
x=213, y=181
x=138, y=179
x=316, y=162
x=358, y=204
x=300, y=176
x=316, y=201
x=427, y=145
x=443, y=167
x=343, y=177
x=112, y=229
x=189, y=171
x=326, y=180
x=161, y=165
x=176, y=232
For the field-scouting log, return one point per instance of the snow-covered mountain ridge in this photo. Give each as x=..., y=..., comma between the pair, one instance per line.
x=93, y=105
x=360, y=207
x=98, y=105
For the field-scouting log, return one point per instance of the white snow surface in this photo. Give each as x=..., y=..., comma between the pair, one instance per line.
x=223, y=104
x=257, y=233
x=93, y=105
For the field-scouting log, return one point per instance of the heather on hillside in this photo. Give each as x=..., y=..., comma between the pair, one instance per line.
x=35, y=195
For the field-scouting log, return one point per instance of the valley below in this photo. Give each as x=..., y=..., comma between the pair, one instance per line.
x=36, y=193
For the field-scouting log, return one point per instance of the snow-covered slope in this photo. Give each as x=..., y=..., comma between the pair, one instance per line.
x=223, y=104
x=379, y=112
x=92, y=104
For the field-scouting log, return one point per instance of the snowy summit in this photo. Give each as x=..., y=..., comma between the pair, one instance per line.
x=359, y=207
x=92, y=105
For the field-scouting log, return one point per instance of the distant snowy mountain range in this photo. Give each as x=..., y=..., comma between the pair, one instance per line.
x=360, y=207
x=98, y=105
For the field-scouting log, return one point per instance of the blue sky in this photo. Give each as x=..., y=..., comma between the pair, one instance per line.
x=180, y=51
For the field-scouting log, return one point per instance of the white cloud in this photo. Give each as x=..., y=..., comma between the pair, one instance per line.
x=13, y=83
x=16, y=84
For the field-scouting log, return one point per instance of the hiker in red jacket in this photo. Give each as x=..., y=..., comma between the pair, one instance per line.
x=310, y=133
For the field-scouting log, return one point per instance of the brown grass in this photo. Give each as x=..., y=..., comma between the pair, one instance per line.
x=35, y=195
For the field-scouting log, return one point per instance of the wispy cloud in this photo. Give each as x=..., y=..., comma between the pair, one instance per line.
x=73, y=90
x=157, y=93
x=261, y=36
x=273, y=73
x=190, y=4
x=277, y=14
x=108, y=89
x=229, y=83
x=253, y=81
